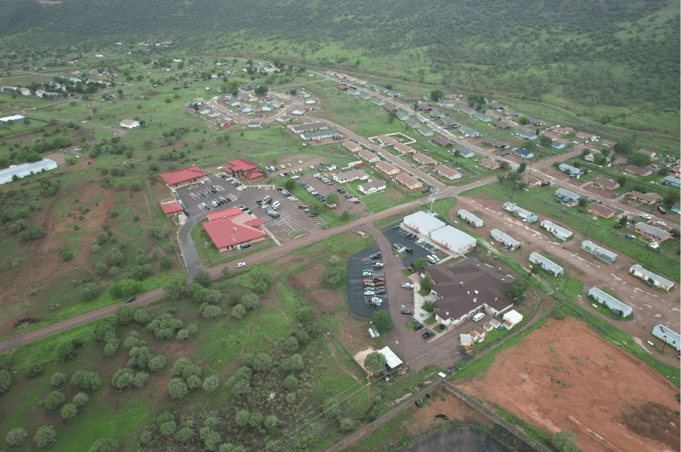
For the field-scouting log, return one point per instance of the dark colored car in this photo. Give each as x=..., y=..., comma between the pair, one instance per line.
x=131, y=299
x=442, y=416
x=418, y=327
x=406, y=311
x=428, y=334
x=409, y=250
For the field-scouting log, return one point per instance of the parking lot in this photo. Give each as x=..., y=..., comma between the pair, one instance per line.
x=325, y=189
x=420, y=248
x=358, y=302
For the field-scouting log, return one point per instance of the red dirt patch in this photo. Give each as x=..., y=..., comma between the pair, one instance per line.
x=325, y=301
x=564, y=376
x=656, y=422
x=312, y=277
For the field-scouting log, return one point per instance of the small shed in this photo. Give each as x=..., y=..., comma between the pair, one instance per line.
x=466, y=340
x=512, y=318
x=391, y=359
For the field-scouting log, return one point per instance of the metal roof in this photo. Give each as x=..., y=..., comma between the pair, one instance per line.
x=7, y=174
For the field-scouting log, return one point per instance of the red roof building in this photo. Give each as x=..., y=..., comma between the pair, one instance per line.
x=254, y=175
x=171, y=208
x=182, y=176
x=231, y=227
x=243, y=168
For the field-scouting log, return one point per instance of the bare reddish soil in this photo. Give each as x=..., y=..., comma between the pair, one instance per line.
x=312, y=277
x=564, y=376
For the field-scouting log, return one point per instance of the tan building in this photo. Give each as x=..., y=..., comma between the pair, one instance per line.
x=387, y=168
x=490, y=164
x=600, y=210
x=386, y=140
x=369, y=156
x=645, y=198
x=403, y=148
x=449, y=173
x=424, y=159
x=410, y=182
x=607, y=184
x=352, y=146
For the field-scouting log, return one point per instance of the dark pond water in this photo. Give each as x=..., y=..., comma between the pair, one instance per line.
x=463, y=439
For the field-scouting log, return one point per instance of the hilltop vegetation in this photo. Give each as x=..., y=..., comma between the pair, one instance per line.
x=605, y=52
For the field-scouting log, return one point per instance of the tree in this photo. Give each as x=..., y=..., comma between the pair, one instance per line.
x=332, y=198
x=168, y=428
x=262, y=362
x=16, y=436
x=291, y=344
x=522, y=167
x=238, y=312
x=184, y=434
x=375, y=363
x=124, y=315
x=211, y=312
x=622, y=180
x=623, y=220
x=178, y=366
x=333, y=275
x=58, y=379
x=290, y=185
x=165, y=262
x=193, y=382
x=345, y=216
x=69, y=410
x=45, y=437
x=141, y=316
x=419, y=264
x=382, y=321
x=157, y=363
x=255, y=419
x=271, y=423
x=35, y=369
x=523, y=121
x=5, y=380
x=250, y=301
x=427, y=284
x=175, y=286
x=122, y=378
x=66, y=351
x=331, y=407
x=54, y=400
x=202, y=278
x=347, y=424
x=211, y=384
x=315, y=207
x=436, y=95
x=290, y=382
x=104, y=445
x=516, y=289
x=177, y=389
x=241, y=417
x=261, y=90
x=565, y=441
x=545, y=141
x=80, y=399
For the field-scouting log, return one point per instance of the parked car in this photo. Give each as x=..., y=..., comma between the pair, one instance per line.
x=408, y=285
x=418, y=326
x=479, y=316
x=376, y=255
x=241, y=264
x=428, y=334
x=131, y=299
x=365, y=273
x=369, y=292
x=407, y=312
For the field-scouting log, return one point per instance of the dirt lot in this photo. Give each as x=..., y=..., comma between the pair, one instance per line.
x=564, y=376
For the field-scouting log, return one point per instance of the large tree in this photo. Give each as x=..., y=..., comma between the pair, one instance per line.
x=516, y=289
x=374, y=362
x=382, y=322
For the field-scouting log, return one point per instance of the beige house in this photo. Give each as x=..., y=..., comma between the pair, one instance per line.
x=369, y=156
x=404, y=149
x=424, y=159
x=490, y=164
x=449, y=173
x=387, y=168
x=351, y=146
x=386, y=140
x=410, y=182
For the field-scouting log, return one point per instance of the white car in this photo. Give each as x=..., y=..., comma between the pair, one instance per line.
x=646, y=216
x=408, y=285
x=369, y=292
x=479, y=316
x=241, y=264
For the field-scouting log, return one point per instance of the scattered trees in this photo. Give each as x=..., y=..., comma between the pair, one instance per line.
x=16, y=436
x=104, y=445
x=211, y=384
x=419, y=264
x=80, y=399
x=331, y=407
x=5, y=380
x=333, y=275
x=516, y=289
x=45, y=437
x=177, y=389
x=68, y=411
x=54, y=400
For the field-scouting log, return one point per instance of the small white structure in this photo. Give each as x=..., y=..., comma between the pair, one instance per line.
x=423, y=223
x=13, y=118
x=651, y=278
x=453, y=239
x=550, y=266
x=521, y=213
x=509, y=242
x=668, y=335
x=470, y=218
x=611, y=302
x=466, y=339
x=559, y=232
x=606, y=256
x=372, y=187
x=512, y=318
x=391, y=359
x=20, y=171
x=129, y=123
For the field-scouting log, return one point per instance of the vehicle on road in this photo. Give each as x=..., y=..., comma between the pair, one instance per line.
x=479, y=316
x=406, y=311
x=131, y=299
x=428, y=334
x=241, y=264
x=408, y=285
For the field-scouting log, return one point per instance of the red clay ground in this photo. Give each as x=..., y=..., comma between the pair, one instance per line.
x=564, y=376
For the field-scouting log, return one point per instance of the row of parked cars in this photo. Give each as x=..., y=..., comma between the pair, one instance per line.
x=215, y=203
x=374, y=286
x=310, y=189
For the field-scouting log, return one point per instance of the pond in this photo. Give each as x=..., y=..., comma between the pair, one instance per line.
x=464, y=439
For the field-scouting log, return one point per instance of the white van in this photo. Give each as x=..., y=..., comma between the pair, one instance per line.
x=432, y=259
x=479, y=316
x=276, y=205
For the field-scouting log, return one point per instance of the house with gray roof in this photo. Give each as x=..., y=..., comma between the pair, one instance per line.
x=526, y=134
x=548, y=265
x=402, y=116
x=651, y=232
x=521, y=213
x=26, y=169
x=559, y=232
x=668, y=335
x=674, y=181
x=651, y=278
x=601, y=253
x=509, y=242
x=425, y=131
x=615, y=305
x=568, y=196
x=468, y=132
x=572, y=171
x=319, y=134
x=524, y=153
x=464, y=152
x=470, y=218
x=483, y=117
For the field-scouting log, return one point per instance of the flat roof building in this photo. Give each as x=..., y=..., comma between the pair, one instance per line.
x=521, y=213
x=26, y=169
x=183, y=176
x=668, y=335
x=651, y=278
x=606, y=256
x=453, y=239
x=611, y=302
x=423, y=223
x=548, y=265
x=470, y=218
x=558, y=231
x=509, y=242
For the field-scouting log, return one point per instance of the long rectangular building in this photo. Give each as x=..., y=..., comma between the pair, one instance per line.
x=521, y=213
x=603, y=254
x=470, y=218
x=423, y=223
x=651, y=278
x=453, y=239
x=548, y=265
x=319, y=134
x=558, y=231
x=309, y=127
x=509, y=242
x=611, y=302
x=668, y=335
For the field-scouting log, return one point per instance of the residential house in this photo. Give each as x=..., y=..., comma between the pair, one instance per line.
x=676, y=208
x=309, y=127
x=490, y=164
x=447, y=103
x=465, y=339
x=524, y=153
x=230, y=228
x=254, y=124
x=512, y=318
x=425, y=131
x=449, y=173
x=243, y=169
x=449, y=123
x=350, y=176
x=423, y=159
x=377, y=101
x=568, y=196
x=562, y=130
x=521, y=213
x=464, y=152
x=555, y=144
x=352, y=146
x=608, y=143
x=668, y=335
x=369, y=156
x=587, y=137
x=549, y=266
x=674, y=181
x=601, y=253
x=534, y=121
x=558, y=231
x=638, y=171
x=386, y=140
x=372, y=187
x=615, y=305
x=442, y=141
x=129, y=123
x=403, y=148
x=509, y=242
x=526, y=134
x=606, y=184
x=572, y=171
x=651, y=278
x=298, y=111
x=645, y=198
x=470, y=218
x=410, y=182
x=467, y=288
x=493, y=143
x=468, y=132
x=652, y=233
x=402, y=116
x=495, y=106
x=468, y=110
x=483, y=117
x=502, y=125
x=600, y=210
x=387, y=168
x=437, y=114
x=183, y=176
x=319, y=135
x=512, y=113
x=413, y=123
x=171, y=208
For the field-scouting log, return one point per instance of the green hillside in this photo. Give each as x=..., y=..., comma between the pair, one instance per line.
x=605, y=52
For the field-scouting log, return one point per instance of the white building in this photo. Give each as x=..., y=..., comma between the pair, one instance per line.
x=559, y=232
x=423, y=223
x=470, y=218
x=512, y=318
x=651, y=278
x=453, y=239
x=506, y=239
x=7, y=174
x=129, y=123
x=603, y=254
x=611, y=302
x=521, y=213
x=667, y=334
x=550, y=266
x=372, y=187
x=391, y=359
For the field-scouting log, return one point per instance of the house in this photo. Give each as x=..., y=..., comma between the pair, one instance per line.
x=490, y=164
x=352, y=146
x=638, y=171
x=387, y=168
x=436, y=114
x=453, y=239
x=413, y=123
x=386, y=140
x=183, y=176
x=521, y=213
x=601, y=253
x=534, y=121
x=7, y=175
x=572, y=171
x=372, y=187
x=512, y=318
x=674, y=181
x=652, y=233
x=402, y=116
x=549, y=266
x=353, y=91
x=676, y=208
x=502, y=125
x=309, y=127
x=651, y=278
x=410, y=182
x=377, y=101
x=350, y=176
x=465, y=339
x=447, y=103
x=495, y=106
x=608, y=143
x=468, y=110
x=562, y=130
x=558, y=231
x=16, y=118
x=423, y=223
x=483, y=117
x=606, y=184
x=468, y=288
x=464, y=152
x=493, y=143
x=615, y=305
x=243, y=169
x=478, y=334
x=320, y=135
x=391, y=107
x=391, y=359
x=487, y=327
x=470, y=218
x=232, y=227
x=526, y=134
x=645, y=198
x=254, y=124
x=425, y=131
x=600, y=210
x=468, y=132
x=403, y=148
x=449, y=173
x=424, y=159
x=512, y=113
x=442, y=141
x=449, y=123
x=668, y=335
x=171, y=208
x=129, y=123
x=509, y=242
x=524, y=153
x=584, y=136
x=555, y=144
x=568, y=197
x=369, y=156
x=298, y=111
